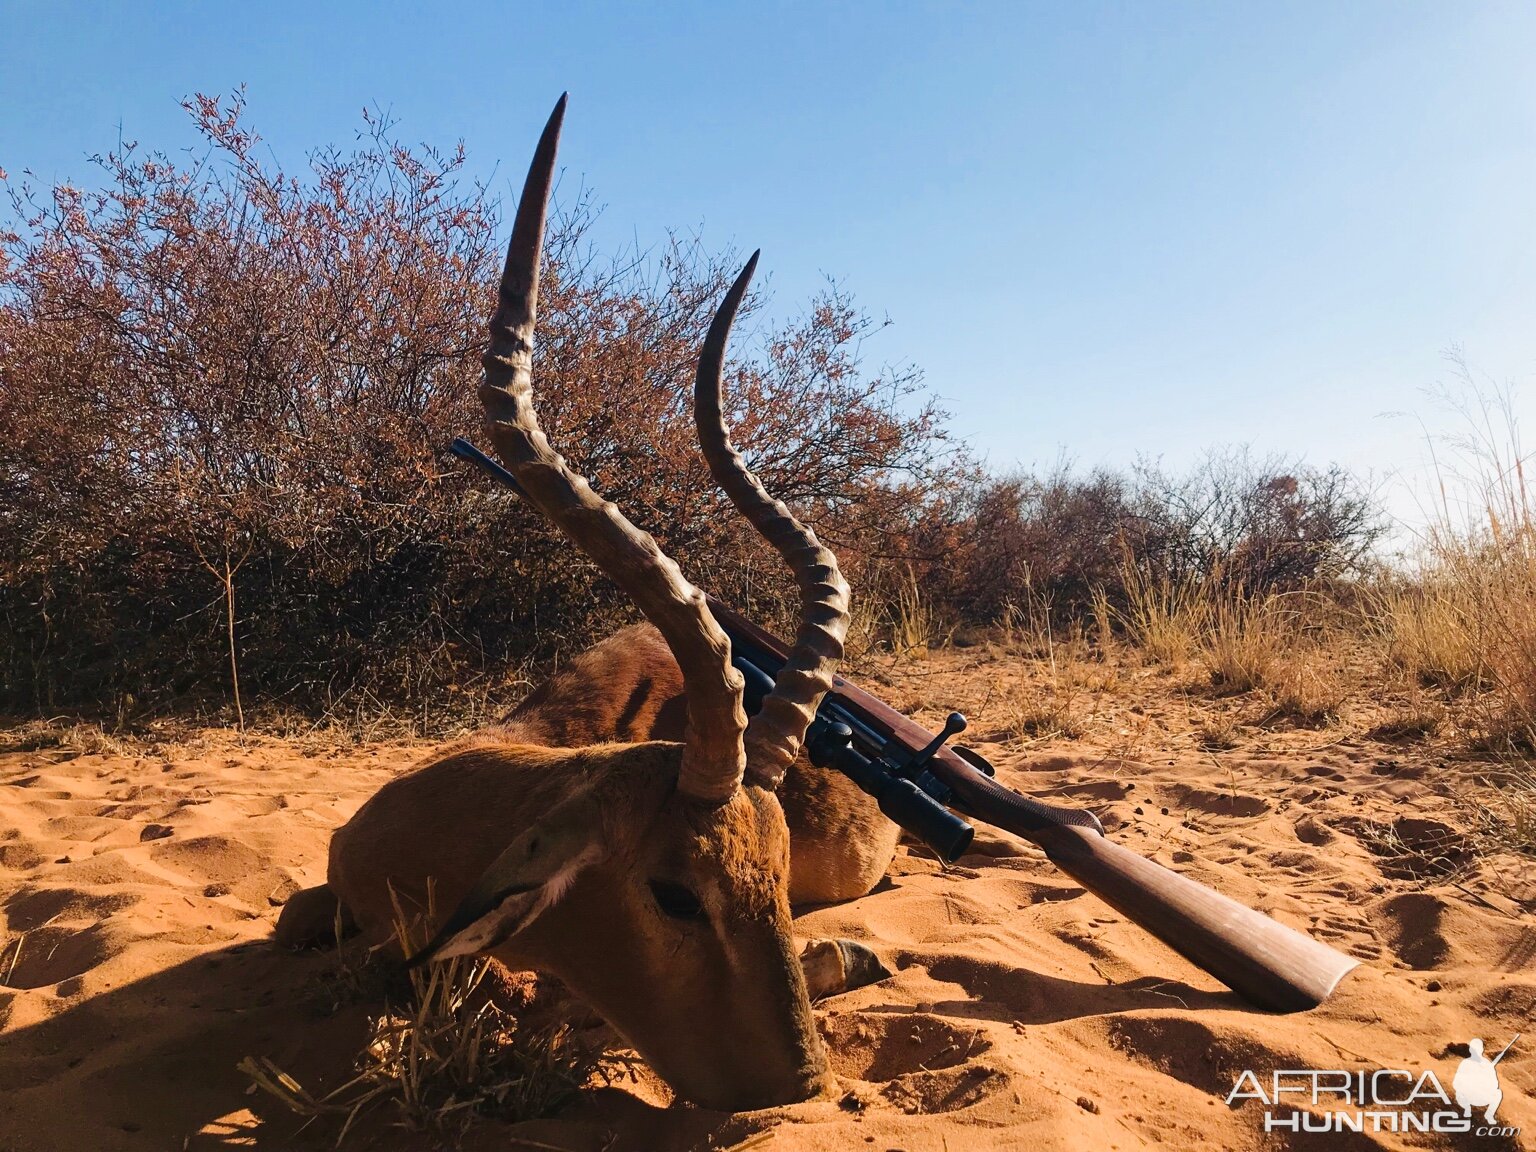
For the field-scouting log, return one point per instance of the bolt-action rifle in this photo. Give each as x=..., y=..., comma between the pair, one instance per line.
x=921, y=782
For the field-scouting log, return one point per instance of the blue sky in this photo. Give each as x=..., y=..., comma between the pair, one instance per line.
x=1100, y=228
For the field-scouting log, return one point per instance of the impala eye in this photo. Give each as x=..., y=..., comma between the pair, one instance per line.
x=676, y=901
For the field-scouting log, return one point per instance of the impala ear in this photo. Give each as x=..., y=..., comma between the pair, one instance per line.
x=532, y=874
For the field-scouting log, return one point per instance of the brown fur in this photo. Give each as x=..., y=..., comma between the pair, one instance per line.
x=625, y=690
x=629, y=688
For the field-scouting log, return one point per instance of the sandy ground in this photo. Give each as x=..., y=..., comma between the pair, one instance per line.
x=139, y=887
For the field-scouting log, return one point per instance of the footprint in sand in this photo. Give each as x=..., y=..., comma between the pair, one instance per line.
x=20, y=855
x=54, y=953
x=1411, y=847
x=1310, y=830
x=1430, y=930
x=32, y=908
x=1323, y=772
x=1184, y=796
x=1412, y=926
x=928, y=1093
x=1205, y=1056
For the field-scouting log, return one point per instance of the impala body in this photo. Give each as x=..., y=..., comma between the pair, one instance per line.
x=629, y=688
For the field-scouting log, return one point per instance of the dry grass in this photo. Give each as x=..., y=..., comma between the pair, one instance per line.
x=450, y=1055
x=1307, y=690
x=1061, y=701
x=1163, y=618
x=1026, y=627
x=355, y=974
x=1013, y=633
x=1280, y=645
x=866, y=623
x=1218, y=734
x=70, y=737
x=1103, y=617
x=1431, y=629
x=1246, y=640
x=1505, y=576
x=1127, y=739
x=900, y=619
x=1042, y=714
x=912, y=624
x=1418, y=719
x=1467, y=623
x=1506, y=814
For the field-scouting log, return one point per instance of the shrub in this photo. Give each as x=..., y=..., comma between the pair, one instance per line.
x=1056, y=536
x=1139, y=545
x=1268, y=524
x=228, y=392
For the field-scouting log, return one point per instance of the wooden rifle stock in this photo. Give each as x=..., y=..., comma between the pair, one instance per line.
x=1273, y=966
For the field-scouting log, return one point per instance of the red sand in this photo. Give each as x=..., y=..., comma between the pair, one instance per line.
x=139, y=891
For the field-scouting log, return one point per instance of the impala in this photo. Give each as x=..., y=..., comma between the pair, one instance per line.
x=625, y=829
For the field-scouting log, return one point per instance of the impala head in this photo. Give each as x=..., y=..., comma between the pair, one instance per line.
x=658, y=887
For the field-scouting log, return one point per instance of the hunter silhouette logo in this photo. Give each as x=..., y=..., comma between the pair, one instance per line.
x=1477, y=1080
x=1381, y=1100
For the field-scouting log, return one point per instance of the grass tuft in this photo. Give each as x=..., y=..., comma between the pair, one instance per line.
x=70, y=737
x=450, y=1054
x=1162, y=617
x=1307, y=692
x=1219, y=734
x=1418, y=721
x=1246, y=640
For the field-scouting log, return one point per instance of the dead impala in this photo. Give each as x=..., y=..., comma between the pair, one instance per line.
x=653, y=878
